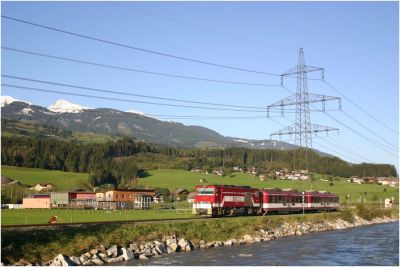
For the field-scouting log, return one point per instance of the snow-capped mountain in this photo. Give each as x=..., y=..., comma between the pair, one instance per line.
x=133, y=123
x=64, y=106
x=6, y=100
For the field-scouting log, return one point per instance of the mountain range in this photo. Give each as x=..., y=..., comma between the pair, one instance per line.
x=69, y=116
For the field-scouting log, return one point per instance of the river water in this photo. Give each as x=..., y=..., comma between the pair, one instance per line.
x=367, y=245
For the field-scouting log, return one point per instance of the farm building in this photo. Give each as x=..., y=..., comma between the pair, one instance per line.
x=82, y=199
x=38, y=202
x=125, y=199
x=41, y=187
x=59, y=199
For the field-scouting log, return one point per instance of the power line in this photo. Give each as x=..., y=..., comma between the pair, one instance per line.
x=128, y=94
x=334, y=151
x=233, y=36
x=137, y=48
x=349, y=151
x=333, y=145
x=370, y=140
x=125, y=100
x=134, y=70
x=372, y=132
x=259, y=109
x=374, y=142
x=360, y=108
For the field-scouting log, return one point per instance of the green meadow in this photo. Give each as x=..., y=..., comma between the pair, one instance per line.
x=174, y=179
x=63, y=181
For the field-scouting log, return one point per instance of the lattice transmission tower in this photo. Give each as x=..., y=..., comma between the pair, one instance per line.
x=303, y=129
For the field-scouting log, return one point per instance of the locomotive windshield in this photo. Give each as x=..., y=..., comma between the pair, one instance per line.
x=205, y=191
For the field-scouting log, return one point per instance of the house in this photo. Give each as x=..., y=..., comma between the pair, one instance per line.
x=36, y=202
x=252, y=170
x=158, y=198
x=218, y=172
x=59, y=199
x=41, y=187
x=180, y=193
x=13, y=206
x=125, y=199
x=81, y=199
x=390, y=181
x=237, y=169
x=370, y=180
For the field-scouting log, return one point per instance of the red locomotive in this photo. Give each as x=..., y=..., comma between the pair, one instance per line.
x=219, y=200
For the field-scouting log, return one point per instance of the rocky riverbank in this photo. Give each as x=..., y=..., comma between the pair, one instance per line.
x=101, y=255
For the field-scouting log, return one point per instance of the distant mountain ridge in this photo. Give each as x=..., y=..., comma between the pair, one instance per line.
x=132, y=123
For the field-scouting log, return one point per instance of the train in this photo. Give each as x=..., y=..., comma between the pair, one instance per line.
x=223, y=200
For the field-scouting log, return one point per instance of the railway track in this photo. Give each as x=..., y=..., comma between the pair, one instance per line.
x=80, y=224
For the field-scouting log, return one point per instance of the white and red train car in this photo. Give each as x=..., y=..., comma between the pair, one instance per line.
x=225, y=199
x=288, y=201
x=218, y=200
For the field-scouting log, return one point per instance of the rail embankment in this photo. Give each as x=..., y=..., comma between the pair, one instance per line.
x=102, y=244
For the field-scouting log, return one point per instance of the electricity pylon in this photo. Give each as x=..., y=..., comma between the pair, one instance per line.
x=302, y=128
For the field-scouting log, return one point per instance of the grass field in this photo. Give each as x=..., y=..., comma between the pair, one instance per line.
x=42, y=216
x=63, y=181
x=173, y=179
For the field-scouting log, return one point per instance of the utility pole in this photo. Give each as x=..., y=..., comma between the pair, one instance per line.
x=302, y=128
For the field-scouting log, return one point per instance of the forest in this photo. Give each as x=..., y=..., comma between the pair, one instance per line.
x=121, y=162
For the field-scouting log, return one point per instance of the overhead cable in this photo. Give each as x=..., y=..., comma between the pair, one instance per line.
x=137, y=48
x=125, y=100
x=128, y=94
x=135, y=70
x=360, y=108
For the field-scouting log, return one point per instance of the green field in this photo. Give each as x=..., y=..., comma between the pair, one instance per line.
x=63, y=181
x=173, y=179
x=42, y=216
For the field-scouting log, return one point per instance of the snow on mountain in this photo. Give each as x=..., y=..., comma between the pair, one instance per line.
x=64, y=106
x=136, y=112
x=6, y=100
x=27, y=111
x=241, y=141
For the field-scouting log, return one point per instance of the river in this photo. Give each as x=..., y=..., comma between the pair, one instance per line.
x=367, y=245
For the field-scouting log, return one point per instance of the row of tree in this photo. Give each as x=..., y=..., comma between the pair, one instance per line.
x=118, y=162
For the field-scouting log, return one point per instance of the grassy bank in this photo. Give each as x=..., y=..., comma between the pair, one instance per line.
x=43, y=245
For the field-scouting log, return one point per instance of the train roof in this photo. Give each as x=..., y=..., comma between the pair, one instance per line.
x=225, y=185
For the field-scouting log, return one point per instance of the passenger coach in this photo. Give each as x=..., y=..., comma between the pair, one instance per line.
x=220, y=200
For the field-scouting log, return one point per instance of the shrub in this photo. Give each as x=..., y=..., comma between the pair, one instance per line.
x=368, y=213
x=347, y=215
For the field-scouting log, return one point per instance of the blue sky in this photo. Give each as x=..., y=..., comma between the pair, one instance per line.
x=356, y=43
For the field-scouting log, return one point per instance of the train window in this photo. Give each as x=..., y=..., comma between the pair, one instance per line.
x=205, y=191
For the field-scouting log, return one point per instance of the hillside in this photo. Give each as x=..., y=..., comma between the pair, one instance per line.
x=63, y=181
x=111, y=122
